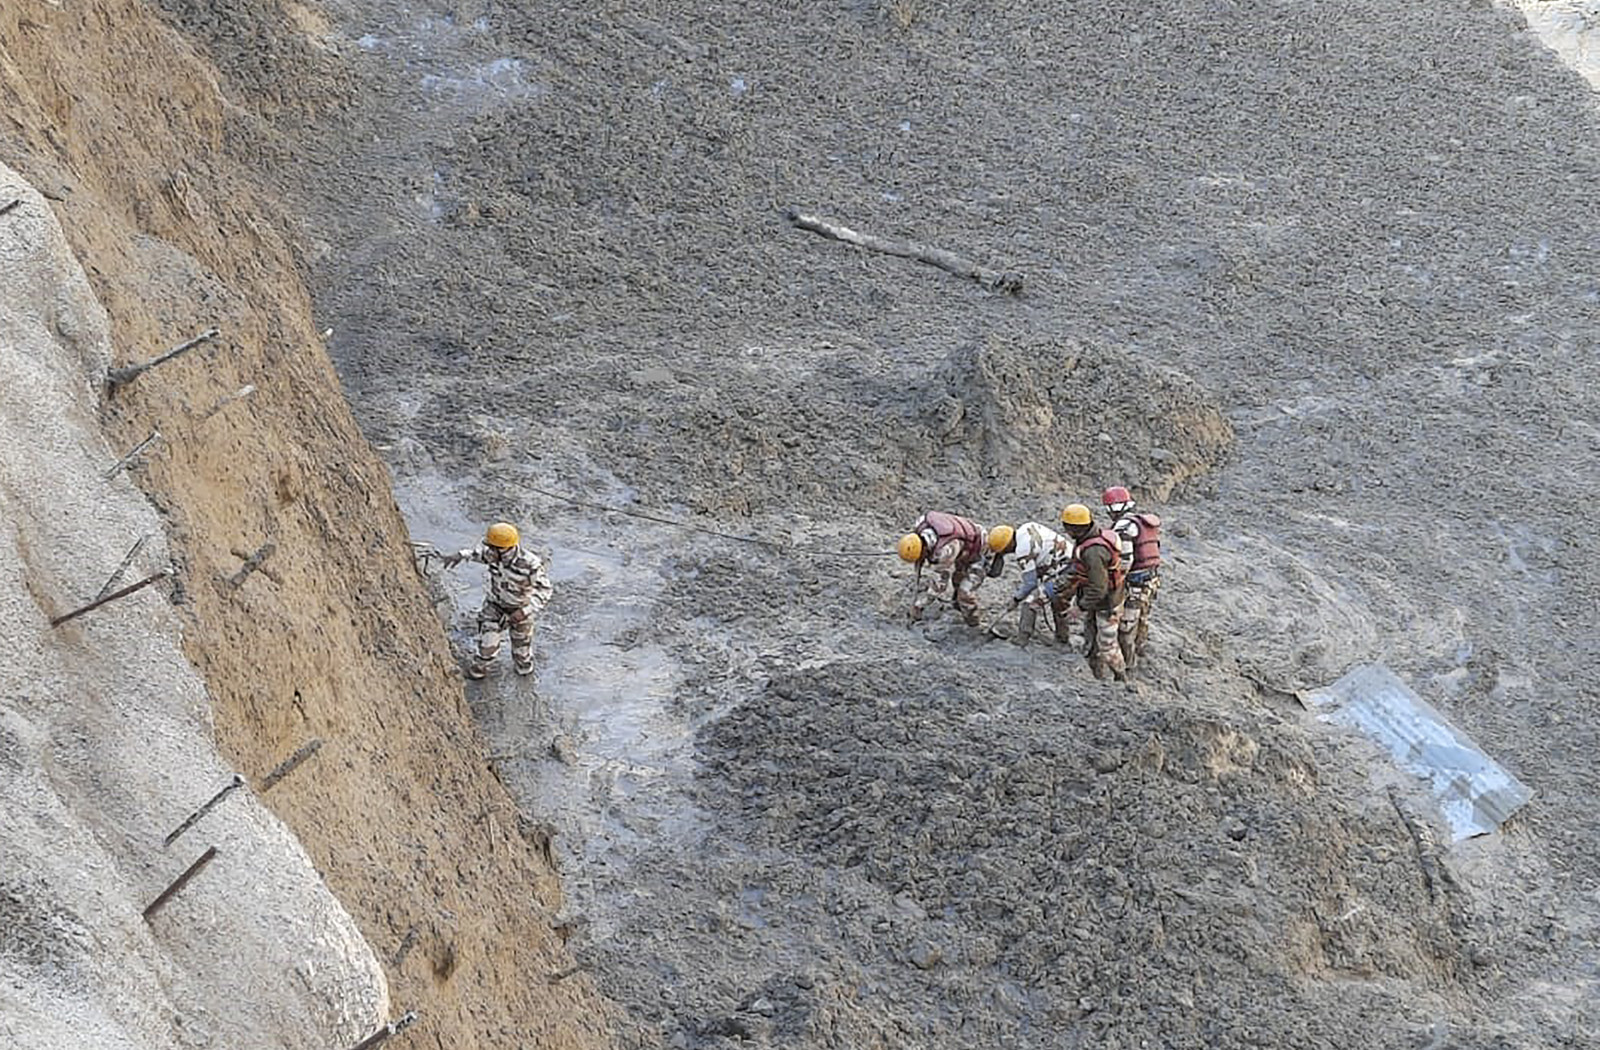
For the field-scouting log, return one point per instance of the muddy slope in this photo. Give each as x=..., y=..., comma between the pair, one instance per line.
x=1316, y=278
x=119, y=121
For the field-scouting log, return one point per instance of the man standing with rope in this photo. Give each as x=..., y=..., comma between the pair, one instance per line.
x=518, y=589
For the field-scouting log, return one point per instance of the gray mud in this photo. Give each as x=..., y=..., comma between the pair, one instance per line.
x=1317, y=279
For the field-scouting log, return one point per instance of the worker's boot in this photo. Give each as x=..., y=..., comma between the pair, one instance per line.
x=476, y=669
x=1097, y=667
x=1025, y=623
x=969, y=615
x=1130, y=651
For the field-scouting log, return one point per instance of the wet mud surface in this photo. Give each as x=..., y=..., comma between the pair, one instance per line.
x=1317, y=280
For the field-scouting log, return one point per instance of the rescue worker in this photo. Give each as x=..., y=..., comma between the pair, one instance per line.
x=1041, y=552
x=1139, y=541
x=1098, y=589
x=519, y=587
x=957, y=551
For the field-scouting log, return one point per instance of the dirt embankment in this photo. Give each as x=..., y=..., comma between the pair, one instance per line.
x=114, y=117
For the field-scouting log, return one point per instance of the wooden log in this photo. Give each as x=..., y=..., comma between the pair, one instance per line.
x=950, y=262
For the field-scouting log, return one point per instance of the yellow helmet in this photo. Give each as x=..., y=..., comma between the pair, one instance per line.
x=1000, y=538
x=910, y=547
x=501, y=534
x=1076, y=514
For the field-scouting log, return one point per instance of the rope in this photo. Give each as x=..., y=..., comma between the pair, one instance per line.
x=755, y=540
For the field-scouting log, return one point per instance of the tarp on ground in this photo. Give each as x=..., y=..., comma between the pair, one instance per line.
x=1474, y=792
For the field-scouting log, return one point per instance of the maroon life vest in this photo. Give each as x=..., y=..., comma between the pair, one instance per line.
x=1116, y=572
x=1147, y=548
x=948, y=527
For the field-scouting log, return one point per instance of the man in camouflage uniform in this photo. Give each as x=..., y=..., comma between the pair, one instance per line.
x=956, y=551
x=1098, y=589
x=518, y=589
x=1139, y=543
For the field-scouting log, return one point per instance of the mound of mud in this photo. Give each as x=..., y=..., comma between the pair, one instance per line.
x=1057, y=876
x=782, y=428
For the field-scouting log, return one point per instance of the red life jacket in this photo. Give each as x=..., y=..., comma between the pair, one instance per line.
x=1116, y=571
x=947, y=527
x=1147, y=548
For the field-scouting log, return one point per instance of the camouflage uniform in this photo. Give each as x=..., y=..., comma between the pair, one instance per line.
x=952, y=566
x=1144, y=582
x=519, y=587
x=1100, y=598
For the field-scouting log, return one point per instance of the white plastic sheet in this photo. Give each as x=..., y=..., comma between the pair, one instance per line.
x=1473, y=792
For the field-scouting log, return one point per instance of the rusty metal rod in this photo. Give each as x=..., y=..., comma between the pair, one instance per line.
x=395, y=1027
x=252, y=563
x=194, y=818
x=290, y=764
x=119, y=376
x=180, y=882
x=155, y=435
x=222, y=403
x=7, y=207
x=127, y=560
x=113, y=596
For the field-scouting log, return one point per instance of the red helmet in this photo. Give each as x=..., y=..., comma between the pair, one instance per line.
x=1117, y=499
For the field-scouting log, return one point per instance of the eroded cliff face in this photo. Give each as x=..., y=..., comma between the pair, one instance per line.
x=122, y=128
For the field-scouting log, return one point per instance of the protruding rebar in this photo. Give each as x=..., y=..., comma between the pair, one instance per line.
x=113, y=596
x=290, y=764
x=194, y=818
x=118, y=376
x=395, y=1027
x=127, y=560
x=155, y=435
x=180, y=882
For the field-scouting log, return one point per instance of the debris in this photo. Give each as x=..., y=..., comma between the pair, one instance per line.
x=113, y=596
x=406, y=944
x=1009, y=283
x=180, y=882
x=565, y=972
x=252, y=562
x=222, y=403
x=290, y=764
x=1434, y=873
x=1475, y=794
x=395, y=1027
x=120, y=376
x=155, y=435
x=127, y=560
x=1107, y=762
x=926, y=956
x=194, y=818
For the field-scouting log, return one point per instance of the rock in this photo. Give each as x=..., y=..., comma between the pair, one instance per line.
x=804, y=980
x=1107, y=761
x=1236, y=830
x=926, y=956
x=763, y=1006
